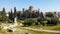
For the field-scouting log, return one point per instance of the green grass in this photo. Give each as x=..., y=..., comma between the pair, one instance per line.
x=3, y=31
x=25, y=30
x=37, y=32
x=57, y=27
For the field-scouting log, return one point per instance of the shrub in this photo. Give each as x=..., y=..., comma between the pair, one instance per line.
x=53, y=21
x=29, y=22
x=58, y=21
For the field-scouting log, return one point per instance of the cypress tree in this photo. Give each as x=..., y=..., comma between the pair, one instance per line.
x=3, y=14
x=11, y=15
x=15, y=14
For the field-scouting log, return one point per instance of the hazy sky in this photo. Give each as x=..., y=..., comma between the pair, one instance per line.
x=44, y=5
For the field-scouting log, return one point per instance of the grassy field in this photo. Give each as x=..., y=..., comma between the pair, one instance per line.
x=25, y=30
x=29, y=31
x=38, y=32
x=57, y=27
x=2, y=31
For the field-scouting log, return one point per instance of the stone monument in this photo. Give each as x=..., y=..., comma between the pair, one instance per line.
x=15, y=21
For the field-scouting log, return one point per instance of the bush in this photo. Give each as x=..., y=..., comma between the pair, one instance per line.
x=49, y=14
x=53, y=21
x=29, y=22
x=58, y=21
x=42, y=20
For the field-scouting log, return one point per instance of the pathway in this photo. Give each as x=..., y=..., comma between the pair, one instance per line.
x=34, y=29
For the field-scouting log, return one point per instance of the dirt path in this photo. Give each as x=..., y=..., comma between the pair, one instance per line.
x=51, y=31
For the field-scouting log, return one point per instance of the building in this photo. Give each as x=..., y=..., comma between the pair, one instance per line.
x=31, y=9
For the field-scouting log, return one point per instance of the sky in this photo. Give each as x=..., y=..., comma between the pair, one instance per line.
x=43, y=5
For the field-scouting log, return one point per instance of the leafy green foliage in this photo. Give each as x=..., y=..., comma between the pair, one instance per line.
x=29, y=22
x=53, y=21
x=49, y=14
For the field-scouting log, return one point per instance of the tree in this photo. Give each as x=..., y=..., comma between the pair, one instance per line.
x=49, y=14
x=19, y=15
x=10, y=15
x=3, y=15
x=38, y=11
x=42, y=21
x=41, y=15
x=52, y=18
x=29, y=22
x=52, y=21
x=15, y=14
